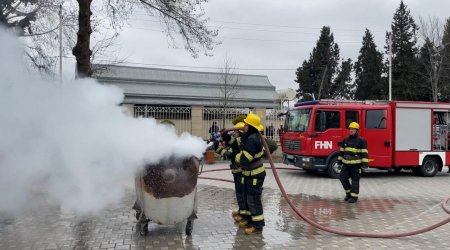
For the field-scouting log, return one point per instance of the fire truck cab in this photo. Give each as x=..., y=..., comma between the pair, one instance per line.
x=399, y=134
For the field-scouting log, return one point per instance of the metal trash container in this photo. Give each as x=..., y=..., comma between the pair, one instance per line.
x=167, y=193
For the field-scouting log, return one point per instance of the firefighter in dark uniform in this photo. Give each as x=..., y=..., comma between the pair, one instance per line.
x=233, y=141
x=352, y=157
x=253, y=175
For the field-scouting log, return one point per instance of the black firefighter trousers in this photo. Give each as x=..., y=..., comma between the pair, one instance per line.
x=253, y=187
x=354, y=173
x=239, y=190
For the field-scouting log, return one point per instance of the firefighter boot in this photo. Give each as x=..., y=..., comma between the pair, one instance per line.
x=347, y=196
x=243, y=223
x=352, y=199
x=238, y=218
x=253, y=230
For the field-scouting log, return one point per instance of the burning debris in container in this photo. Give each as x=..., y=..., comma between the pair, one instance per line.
x=172, y=177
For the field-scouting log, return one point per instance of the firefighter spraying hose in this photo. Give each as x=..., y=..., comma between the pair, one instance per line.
x=332, y=230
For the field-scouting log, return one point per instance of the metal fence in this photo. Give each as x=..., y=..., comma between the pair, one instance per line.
x=273, y=124
x=181, y=116
x=220, y=117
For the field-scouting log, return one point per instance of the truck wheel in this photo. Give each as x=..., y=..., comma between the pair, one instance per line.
x=429, y=167
x=333, y=168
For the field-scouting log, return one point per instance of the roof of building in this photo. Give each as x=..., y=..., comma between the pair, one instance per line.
x=177, y=87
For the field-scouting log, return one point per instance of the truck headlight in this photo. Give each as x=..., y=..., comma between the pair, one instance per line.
x=307, y=159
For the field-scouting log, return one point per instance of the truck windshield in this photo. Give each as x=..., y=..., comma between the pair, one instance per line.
x=297, y=120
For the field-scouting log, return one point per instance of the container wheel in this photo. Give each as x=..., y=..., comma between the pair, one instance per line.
x=333, y=168
x=142, y=228
x=189, y=227
x=138, y=215
x=429, y=167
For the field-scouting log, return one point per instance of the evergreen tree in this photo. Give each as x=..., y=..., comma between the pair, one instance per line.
x=316, y=74
x=368, y=70
x=404, y=62
x=445, y=76
x=341, y=88
x=425, y=85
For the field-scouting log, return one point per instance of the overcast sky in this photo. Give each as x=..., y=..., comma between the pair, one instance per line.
x=274, y=36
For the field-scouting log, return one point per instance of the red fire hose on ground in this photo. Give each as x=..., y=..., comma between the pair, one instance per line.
x=328, y=229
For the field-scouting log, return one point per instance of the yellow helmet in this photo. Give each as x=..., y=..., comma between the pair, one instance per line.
x=239, y=125
x=254, y=121
x=354, y=125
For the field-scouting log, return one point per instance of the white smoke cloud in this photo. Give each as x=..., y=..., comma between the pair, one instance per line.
x=71, y=139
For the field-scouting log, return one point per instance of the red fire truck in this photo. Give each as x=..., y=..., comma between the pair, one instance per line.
x=399, y=134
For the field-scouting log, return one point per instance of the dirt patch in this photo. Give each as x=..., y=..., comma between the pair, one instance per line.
x=172, y=177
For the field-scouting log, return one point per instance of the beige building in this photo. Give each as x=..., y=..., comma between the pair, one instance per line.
x=192, y=100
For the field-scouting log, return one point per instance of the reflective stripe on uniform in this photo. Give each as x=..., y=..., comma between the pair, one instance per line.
x=258, y=218
x=260, y=154
x=255, y=181
x=244, y=212
x=238, y=158
x=365, y=160
x=340, y=158
x=248, y=155
x=222, y=151
x=242, y=180
x=254, y=171
x=235, y=171
x=350, y=162
x=353, y=194
x=347, y=191
x=355, y=150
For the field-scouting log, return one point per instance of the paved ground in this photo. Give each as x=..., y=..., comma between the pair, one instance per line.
x=388, y=203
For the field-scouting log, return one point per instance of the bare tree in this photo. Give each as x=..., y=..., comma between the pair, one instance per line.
x=183, y=17
x=19, y=14
x=227, y=93
x=30, y=20
x=37, y=24
x=431, y=31
x=103, y=40
x=228, y=80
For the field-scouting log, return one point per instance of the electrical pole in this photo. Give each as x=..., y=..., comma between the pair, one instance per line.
x=321, y=82
x=60, y=42
x=390, y=66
